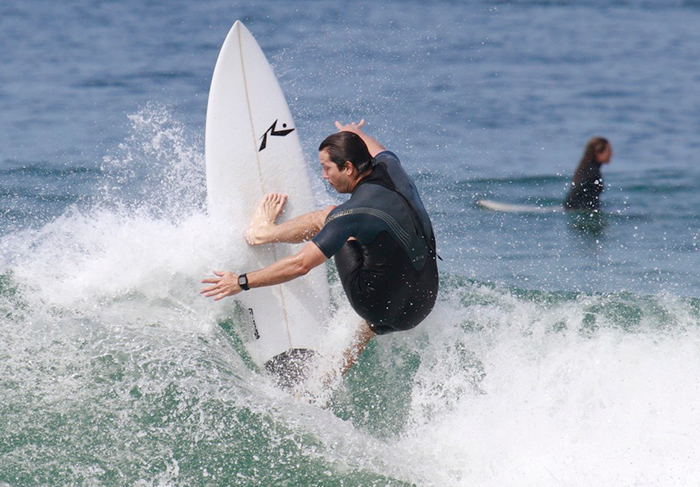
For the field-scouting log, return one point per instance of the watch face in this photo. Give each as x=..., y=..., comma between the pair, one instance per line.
x=243, y=281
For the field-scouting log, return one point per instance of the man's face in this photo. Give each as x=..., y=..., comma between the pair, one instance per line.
x=340, y=179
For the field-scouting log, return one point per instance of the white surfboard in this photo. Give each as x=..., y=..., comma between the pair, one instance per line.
x=510, y=208
x=252, y=148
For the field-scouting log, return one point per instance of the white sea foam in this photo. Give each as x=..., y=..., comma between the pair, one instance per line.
x=501, y=387
x=564, y=407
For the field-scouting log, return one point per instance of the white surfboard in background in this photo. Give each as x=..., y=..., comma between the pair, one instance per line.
x=252, y=148
x=514, y=208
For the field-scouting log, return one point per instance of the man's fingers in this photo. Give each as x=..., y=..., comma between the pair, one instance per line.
x=208, y=289
x=220, y=294
x=351, y=125
x=221, y=287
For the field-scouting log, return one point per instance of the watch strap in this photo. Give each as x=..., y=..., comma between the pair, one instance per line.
x=243, y=282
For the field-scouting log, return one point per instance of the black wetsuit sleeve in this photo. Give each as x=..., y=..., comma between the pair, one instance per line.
x=388, y=158
x=363, y=223
x=335, y=232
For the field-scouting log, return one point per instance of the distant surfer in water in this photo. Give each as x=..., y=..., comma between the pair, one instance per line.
x=381, y=238
x=587, y=183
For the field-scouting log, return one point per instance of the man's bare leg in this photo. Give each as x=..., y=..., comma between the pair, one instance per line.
x=264, y=229
x=362, y=338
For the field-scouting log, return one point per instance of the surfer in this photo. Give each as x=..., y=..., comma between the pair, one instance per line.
x=381, y=238
x=587, y=183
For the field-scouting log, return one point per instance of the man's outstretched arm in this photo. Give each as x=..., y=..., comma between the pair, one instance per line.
x=284, y=270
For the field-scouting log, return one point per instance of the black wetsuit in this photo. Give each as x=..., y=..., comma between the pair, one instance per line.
x=389, y=272
x=586, y=187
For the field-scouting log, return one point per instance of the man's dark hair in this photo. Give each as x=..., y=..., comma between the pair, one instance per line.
x=347, y=146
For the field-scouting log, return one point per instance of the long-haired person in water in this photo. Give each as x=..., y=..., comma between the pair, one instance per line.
x=587, y=183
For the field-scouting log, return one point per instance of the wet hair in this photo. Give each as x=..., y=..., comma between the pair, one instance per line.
x=347, y=146
x=595, y=146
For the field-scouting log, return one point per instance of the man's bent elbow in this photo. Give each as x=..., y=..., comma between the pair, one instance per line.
x=305, y=264
x=304, y=268
x=300, y=267
x=324, y=213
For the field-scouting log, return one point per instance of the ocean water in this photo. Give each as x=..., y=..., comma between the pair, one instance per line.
x=564, y=349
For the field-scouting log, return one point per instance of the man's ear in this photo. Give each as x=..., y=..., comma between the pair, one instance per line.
x=349, y=168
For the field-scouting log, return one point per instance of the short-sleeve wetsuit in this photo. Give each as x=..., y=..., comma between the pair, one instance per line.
x=586, y=188
x=388, y=269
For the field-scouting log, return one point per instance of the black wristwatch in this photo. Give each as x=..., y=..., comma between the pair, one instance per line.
x=243, y=282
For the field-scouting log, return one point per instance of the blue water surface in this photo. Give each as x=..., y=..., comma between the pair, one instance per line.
x=102, y=114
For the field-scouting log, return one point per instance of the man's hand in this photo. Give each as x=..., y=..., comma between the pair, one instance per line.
x=350, y=127
x=226, y=284
x=373, y=146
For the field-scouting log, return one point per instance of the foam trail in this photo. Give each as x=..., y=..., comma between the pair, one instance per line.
x=523, y=392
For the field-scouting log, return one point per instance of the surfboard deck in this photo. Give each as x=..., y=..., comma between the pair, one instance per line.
x=252, y=148
x=511, y=208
